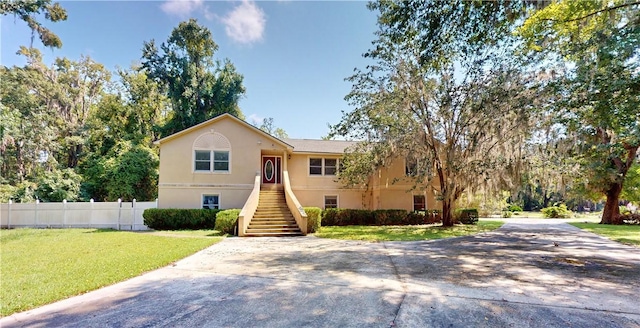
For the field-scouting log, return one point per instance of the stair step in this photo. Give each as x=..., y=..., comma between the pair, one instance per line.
x=272, y=222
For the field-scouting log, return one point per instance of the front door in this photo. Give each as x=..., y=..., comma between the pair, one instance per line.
x=271, y=169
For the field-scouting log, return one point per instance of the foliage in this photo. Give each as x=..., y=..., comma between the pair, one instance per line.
x=179, y=219
x=6, y=192
x=27, y=10
x=560, y=211
x=467, y=215
x=314, y=218
x=631, y=188
x=197, y=86
x=405, y=233
x=268, y=127
x=58, y=186
x=514, y=208
x=507, y=214
x=227, y=220
x=590, y=50
x=442, y=92
x=33, y=275
x=343, y=217
x=626, y=234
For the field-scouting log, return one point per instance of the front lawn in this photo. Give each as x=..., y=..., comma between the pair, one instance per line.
x=40, y=266
x=626, y=234
x=405, y=233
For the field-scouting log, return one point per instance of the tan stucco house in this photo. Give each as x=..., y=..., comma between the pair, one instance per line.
x=227, y=163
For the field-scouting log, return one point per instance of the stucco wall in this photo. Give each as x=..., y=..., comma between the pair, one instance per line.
x=181, y=187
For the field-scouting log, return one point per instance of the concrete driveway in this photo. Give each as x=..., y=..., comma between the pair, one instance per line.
x=513, y=277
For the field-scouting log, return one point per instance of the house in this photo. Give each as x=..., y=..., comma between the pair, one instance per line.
x=227, y=163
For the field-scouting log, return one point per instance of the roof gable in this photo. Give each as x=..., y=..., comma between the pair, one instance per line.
x=225, y=116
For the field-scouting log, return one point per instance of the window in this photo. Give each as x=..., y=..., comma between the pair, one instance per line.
x=220, y=161
x=410, y=167
x=330, y=165
x=315, y=166
x=323, y=166
x=203, y=160
x=330, y=202
x=211, y=202
x=419, y=203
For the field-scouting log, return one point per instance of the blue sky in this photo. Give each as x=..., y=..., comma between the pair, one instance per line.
x=294, y=55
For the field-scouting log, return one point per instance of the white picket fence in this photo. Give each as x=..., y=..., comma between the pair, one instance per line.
x=113, y=215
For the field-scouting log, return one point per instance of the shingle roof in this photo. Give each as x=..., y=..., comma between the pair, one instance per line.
x=319, y=146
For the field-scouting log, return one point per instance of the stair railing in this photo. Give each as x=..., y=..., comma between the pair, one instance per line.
x=294, y=206
x=250, y=206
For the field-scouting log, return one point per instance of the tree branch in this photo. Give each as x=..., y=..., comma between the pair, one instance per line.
x=595, y=12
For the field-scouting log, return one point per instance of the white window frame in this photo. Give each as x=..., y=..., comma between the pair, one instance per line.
x=323, y=166
x=195, y=160
x=324, y=204
x=202, y=196
x=212, y=161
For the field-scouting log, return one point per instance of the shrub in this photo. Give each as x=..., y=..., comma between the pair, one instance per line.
x=624, y=210
x=507, y=214
x=631, y=218
x=344, y=217
x=226, y=221
x=179, y=219
x=556, y=212
x=514, y=208
x=313, y=218
x=467, y=215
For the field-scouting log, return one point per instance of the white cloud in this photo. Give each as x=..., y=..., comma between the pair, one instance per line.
x=255, y=119
x=181, y=8
x=245, y=23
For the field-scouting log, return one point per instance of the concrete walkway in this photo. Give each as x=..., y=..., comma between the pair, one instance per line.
x=513, y=277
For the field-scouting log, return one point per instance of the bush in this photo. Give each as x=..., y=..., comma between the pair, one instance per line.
x=344, y=217
x=226, y=221
x=624, y=210
x=313, y=218
x=556, y=212
x=507, y=214
x=514, y=208
x=467, y=215
x=179, y=219
x=631, y=218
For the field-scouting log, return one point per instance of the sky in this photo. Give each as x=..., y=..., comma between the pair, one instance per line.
x=294, y=55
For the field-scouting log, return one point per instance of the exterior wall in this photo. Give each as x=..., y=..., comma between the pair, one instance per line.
x=311, y=189
x=181, y=187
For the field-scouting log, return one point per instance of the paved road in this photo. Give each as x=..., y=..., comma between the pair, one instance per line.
x=513, y=277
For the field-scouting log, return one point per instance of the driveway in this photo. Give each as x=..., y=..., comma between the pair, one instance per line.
x=512, y=277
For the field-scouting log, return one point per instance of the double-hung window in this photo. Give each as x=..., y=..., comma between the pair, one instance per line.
x=330, y=201
x=419, y=203
x=212, y=161
x=211, y=202
x=323, y=166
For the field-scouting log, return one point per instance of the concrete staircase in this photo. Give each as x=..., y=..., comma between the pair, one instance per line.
x=272, y=217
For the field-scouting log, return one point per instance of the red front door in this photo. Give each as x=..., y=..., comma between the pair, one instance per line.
x=271, y=169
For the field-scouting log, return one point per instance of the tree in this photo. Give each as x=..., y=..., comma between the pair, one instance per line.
x=26, y=10
x=594, y=48
x=444, y=91
x=631, y=190
x=268, y=127
x=198, y=86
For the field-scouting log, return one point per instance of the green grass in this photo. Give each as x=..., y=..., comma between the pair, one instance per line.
x=405, y=233
x=626, y=234
x=184, y=233
x=40, y=266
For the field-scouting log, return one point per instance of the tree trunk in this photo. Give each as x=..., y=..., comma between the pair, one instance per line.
x=611, y=212
x=447, y=213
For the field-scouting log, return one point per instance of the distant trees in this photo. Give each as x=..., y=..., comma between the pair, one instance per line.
x=269, y=127
x=68, y=132
x=198, y=86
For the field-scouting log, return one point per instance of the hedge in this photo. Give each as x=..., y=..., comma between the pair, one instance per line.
x=344, y=217
x=226, y=221
x=557, y=212
x=313, y=218
x=179, y=219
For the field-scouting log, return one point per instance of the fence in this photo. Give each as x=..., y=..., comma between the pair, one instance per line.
x=114, y=215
